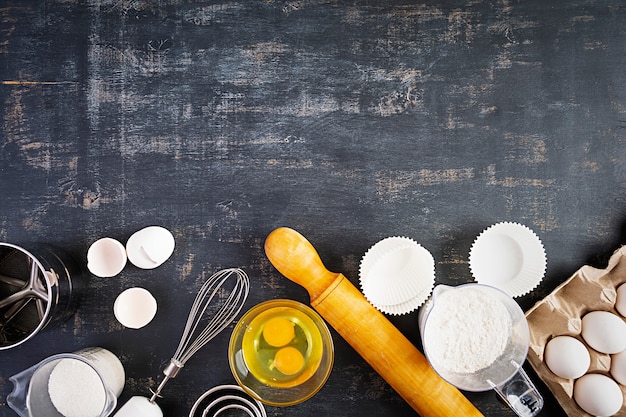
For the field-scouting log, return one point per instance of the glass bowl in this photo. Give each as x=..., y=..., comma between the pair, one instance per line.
x=281, y=352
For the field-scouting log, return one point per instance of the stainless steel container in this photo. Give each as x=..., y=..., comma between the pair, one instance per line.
x=36, y=290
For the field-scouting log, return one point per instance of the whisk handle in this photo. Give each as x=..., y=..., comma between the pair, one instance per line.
x=171, y=370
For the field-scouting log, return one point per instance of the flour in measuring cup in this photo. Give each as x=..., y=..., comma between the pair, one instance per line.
x=468, y=330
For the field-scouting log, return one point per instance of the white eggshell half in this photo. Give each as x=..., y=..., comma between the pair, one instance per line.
x=618, y=367
x=106, y=257
x=604, y=331
x=620, y=301
x=567, y=357
x=135, y=308
x=150, y=247
x=598, y=395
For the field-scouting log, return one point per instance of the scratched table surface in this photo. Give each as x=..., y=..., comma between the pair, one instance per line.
x=347, y=121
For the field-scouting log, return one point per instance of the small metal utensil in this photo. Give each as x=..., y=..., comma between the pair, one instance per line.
x=37, y=288
x=217, y=316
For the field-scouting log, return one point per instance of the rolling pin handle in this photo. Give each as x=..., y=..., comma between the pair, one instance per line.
x=295, y=258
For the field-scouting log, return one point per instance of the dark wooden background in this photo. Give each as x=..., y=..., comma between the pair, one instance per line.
x=348, y=121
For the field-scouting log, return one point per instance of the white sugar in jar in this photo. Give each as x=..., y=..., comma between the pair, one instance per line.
x=108, y=365
x=86, y=384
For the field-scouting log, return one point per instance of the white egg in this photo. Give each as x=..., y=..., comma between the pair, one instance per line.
x=135, y=308
x=604, y=331
x=106, y=257
x=150, y=247
x=620, y=301
x=598, y=395
x=618, y=367
x=567, y=357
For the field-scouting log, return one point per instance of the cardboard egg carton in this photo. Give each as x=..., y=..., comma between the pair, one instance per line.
x=560, y=313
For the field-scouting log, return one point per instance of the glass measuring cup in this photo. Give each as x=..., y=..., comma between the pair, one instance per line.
x=504, y=374
x=39, y=393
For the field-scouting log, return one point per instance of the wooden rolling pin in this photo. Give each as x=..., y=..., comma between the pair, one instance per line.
x=367, y=330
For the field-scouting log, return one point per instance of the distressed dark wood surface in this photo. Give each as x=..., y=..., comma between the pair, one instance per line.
x=348, y=121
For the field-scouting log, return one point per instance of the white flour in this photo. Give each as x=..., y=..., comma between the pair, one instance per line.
x=468, y=330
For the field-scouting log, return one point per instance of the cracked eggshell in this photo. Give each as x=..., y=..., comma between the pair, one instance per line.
x=150, y=247
x=106, y=257
x=135, y=307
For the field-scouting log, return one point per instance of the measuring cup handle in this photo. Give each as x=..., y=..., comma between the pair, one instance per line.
x=520, y=393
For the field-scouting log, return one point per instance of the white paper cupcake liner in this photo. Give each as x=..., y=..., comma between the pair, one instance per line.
x=508, y=256
x=397, y=275
x=406, y=307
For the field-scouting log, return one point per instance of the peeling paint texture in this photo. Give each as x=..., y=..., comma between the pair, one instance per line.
x=348, y=121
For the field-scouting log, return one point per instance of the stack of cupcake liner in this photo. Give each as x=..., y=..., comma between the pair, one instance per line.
x=397, y=275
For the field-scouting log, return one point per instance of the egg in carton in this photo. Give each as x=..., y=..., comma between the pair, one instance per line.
x=562, y=313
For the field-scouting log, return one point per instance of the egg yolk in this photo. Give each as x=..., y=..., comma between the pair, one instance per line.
x=278, y=331
x=289, y=360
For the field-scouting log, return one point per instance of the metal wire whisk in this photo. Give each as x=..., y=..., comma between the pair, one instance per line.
x=193, y=339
